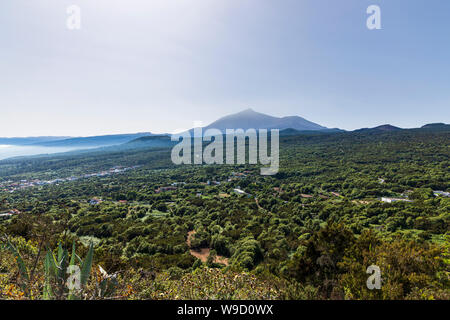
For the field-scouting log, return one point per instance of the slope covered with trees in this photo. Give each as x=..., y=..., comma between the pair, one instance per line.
x=309, y=232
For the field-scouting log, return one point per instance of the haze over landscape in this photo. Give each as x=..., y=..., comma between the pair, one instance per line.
x=107, y=191
x=246, y=119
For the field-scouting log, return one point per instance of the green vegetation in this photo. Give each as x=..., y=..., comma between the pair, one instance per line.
x=309, y=232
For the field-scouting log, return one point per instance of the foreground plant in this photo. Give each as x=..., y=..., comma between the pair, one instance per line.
x=65, y=276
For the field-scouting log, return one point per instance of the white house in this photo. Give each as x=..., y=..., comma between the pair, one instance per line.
x=239, y=191
x=390, y=200
x=441, y=193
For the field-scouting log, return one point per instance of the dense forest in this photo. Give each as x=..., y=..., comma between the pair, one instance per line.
x=340, y=203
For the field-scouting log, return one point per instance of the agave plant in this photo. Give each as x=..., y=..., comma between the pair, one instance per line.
x=63, y=278
x=108, y=284
x=23, y=270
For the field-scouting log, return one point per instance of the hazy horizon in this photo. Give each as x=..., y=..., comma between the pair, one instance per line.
x=160, y=66
x=192, y=126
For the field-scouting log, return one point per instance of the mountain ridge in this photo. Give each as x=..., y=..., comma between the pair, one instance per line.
x=24, y=141
x=246, y=119
x=104, y=140
x=250, y=119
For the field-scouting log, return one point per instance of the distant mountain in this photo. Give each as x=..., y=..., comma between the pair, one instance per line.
x=387, y=127
x=293, y=132
x=382, y=128
x=438, y=126
x=157, y=141
x=250, y=119
x=28, y=140
x=95, y=141
x=289, y=132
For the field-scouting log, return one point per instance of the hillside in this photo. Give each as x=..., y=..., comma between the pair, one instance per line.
x=249, y=118
x=24, y=141
x=151, y=141
x=95, y=141
x=140, y=209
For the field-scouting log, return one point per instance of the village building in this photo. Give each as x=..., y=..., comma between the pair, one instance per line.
x=242, y=192
x=164, y=189
x=441, y=193
x=390, y=200
x=95, y=201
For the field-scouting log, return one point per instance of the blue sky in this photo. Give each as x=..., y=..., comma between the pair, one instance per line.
x=160, y=65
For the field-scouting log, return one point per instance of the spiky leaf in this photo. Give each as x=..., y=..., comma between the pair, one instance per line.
x=72, y=257
x=87, y=265
x=22, y=267
x=49, y=272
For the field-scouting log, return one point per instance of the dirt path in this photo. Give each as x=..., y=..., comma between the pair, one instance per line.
x=203, y=253
x=257, y=204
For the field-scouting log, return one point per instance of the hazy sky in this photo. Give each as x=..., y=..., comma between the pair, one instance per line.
x=160, y=65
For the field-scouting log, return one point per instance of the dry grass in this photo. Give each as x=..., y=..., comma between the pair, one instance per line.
x=203, y=253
